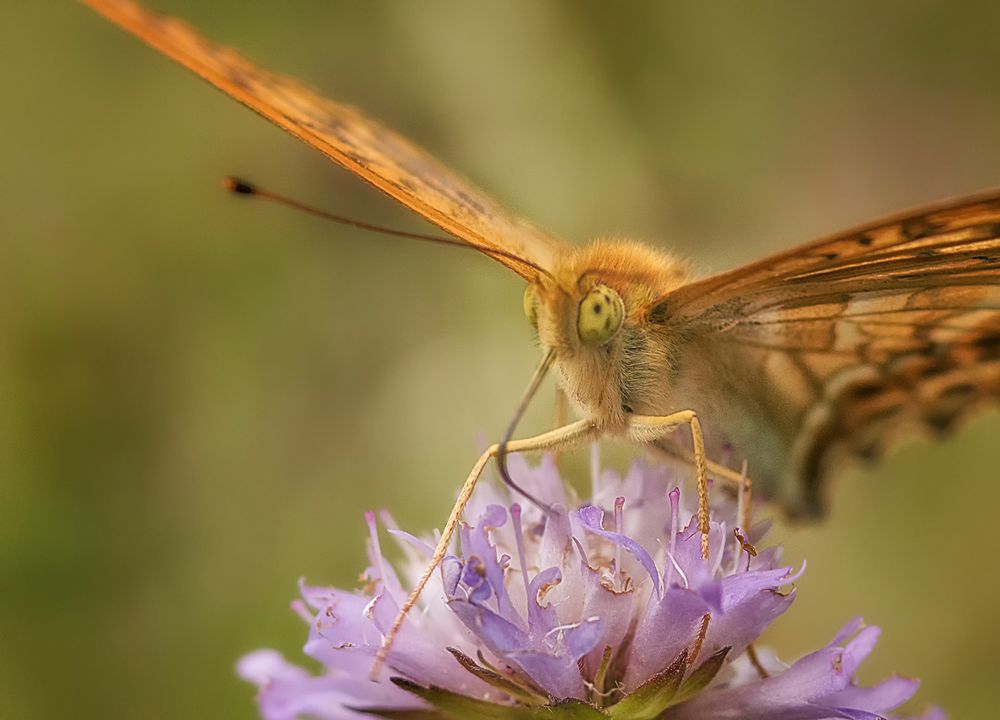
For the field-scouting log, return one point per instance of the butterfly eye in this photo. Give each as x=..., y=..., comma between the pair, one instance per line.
x=531, y=304
x=600, y=315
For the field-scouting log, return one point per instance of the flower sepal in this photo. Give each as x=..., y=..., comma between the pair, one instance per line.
x=646, y=702
x=654, y=696
x=667, y=688
x=514, y=689
x=448, y=705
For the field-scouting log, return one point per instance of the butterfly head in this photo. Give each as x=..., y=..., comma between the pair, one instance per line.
x=590, y=313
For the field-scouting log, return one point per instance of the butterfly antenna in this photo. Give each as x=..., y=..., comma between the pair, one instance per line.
x=536, y=380
x=238, y=186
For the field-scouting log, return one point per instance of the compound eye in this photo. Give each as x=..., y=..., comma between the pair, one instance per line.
x=530, y=301
x=600, y=315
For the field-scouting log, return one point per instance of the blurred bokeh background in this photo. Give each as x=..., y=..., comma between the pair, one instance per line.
x=199, y=396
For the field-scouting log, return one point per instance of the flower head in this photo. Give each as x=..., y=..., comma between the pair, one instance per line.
x=605, y=609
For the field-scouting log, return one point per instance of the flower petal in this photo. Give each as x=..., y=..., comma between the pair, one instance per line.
x=886, y=695
x=668, y=627
x=592, y=519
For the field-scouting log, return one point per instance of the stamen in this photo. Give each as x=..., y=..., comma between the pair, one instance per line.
x=515, y=516
x=602, y=674
x=619, y=511
x=675, y=566
x=560, y=629
x=674, y=497
x=744, y=498
x=369, y=609
x=720, y=551
x=796, y=576
x=755, y=661
x=740, y=513
x=743, y=545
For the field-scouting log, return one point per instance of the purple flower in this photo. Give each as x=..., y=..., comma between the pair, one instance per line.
x=604, y=610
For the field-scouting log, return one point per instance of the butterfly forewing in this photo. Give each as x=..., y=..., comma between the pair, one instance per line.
x=914, y=246
x=344, y=134
x=854, y=338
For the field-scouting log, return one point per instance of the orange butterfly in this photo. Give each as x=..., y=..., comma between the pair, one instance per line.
x=798, y=360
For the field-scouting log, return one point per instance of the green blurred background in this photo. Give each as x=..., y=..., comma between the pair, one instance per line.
x=199, y=396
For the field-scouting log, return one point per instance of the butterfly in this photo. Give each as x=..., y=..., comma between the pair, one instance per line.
x=799, y=361
x=828, y=350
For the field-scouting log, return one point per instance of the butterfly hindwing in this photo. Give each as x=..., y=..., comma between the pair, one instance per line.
x=845, y=342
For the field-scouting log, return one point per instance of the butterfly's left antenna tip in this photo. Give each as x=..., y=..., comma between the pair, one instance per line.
x=239, y=186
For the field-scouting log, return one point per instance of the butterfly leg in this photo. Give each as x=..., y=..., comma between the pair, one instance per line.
x=562, y=438
x=647, y=428
x=676, y=452
x=742, y=482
